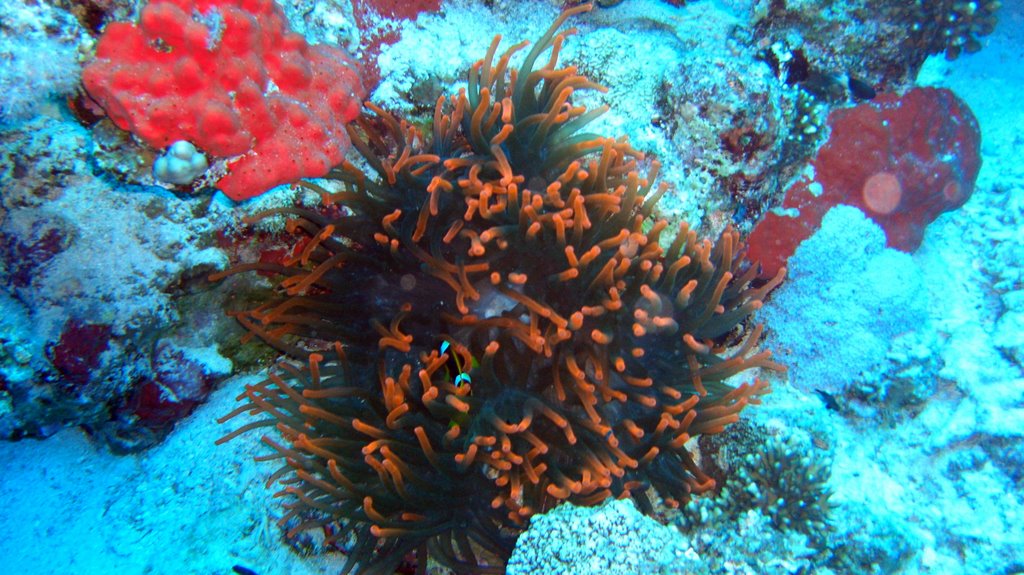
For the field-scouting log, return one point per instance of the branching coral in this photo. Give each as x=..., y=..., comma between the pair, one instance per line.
x=954, y=26
x=530, y=247
x=781, y=478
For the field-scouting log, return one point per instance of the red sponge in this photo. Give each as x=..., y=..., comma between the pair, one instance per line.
x=901, y=160
x=228, y=76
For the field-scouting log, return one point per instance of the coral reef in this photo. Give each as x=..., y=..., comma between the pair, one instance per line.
x=106, y=317
x=745, y=528
x=784, y=479
x=747, y=545
x=611, y=539
x=431, y=57
x=772, y=513
x=70, y=246
x=699, y=97
x=902, y=160
x=39, y=57
x=1001, y=219
x=380, y=21
x=871, y=543
x=484, y=324
x=900, y=386
x=1010, y=327
x=778, y=510
x=275, y=105
x=883, y=44
x=181, y=165
x=954, y=27
x=874, y=294
x=329, y=22
x=93, y=15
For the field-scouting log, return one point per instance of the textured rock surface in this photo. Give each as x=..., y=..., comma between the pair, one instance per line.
x=102, y=282
x=844, y=300
x=613, y=539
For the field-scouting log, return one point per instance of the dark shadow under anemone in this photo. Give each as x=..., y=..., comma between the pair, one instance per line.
x=524, y=252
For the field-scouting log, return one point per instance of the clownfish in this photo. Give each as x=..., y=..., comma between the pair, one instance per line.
x=458, y=375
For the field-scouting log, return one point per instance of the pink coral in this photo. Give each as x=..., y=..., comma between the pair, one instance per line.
x=901, y=160
x=228, y=76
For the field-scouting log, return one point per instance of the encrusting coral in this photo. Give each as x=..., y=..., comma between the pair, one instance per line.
x=487, y=324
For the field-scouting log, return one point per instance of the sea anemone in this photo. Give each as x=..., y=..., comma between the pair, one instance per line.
x=484, y=324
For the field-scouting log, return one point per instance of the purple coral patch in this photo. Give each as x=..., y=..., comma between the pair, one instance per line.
x=157, y=407
x=25, y=255
x=180, y=382
x=78, y=352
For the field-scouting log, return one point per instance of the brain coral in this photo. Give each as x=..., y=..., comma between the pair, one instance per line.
x=485, y=324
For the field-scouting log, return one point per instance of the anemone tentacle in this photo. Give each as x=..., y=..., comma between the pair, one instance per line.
x=580, y=355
